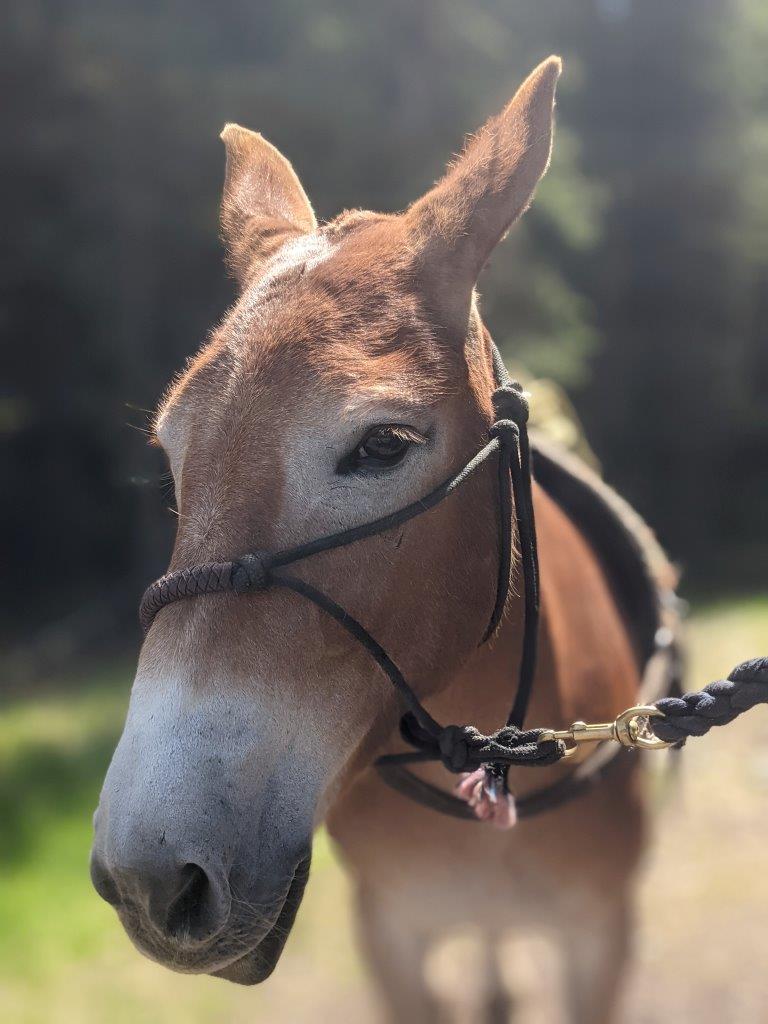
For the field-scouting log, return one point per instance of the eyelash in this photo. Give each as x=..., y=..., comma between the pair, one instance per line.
x=399, y=430
x=354, y=462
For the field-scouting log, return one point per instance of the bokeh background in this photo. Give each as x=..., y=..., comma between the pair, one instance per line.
x=637, y=287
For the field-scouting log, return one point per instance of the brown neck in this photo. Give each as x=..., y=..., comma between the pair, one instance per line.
x=586, y=668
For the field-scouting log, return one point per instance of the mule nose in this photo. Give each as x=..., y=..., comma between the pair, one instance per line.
x=183, y=901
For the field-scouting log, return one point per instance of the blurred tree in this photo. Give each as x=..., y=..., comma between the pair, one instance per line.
x=642, y=264
x=672, y=119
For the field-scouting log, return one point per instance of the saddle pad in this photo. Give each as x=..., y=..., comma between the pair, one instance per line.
x=637, y=570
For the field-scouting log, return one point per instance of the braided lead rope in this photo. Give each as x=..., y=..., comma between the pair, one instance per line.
x=719, y=703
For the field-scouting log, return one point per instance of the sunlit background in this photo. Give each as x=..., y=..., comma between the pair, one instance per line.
x=636, y=289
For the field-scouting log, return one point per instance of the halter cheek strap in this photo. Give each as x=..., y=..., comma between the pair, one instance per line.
x=460, y=748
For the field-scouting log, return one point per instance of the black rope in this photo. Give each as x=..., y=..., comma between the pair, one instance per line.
x=511, y=426
x=530, y=562
x=503, y=579
x=458, y=747
x=388, y=522
x=719, y=703
x=462, y=748
x=364, y=638
x=515, y=440
x=251, y=572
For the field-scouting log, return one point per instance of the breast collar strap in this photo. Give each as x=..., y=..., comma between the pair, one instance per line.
x=459, y=748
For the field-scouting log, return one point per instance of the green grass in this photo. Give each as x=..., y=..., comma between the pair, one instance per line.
x=53, y=752
x=63, y=956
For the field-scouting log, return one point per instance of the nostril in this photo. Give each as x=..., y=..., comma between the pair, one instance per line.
x=196, y=912
x=103, y=882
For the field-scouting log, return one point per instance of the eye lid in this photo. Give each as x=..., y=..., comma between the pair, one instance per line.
x=357, y=461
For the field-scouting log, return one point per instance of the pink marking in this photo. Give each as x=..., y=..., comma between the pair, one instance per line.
x=487, y=801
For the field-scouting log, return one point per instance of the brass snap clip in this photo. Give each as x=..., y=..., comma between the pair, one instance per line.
x=631, y=729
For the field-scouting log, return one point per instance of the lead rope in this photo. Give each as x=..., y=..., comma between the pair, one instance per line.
x=694, y=714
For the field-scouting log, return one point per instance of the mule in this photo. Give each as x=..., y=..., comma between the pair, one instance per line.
x=352, y=374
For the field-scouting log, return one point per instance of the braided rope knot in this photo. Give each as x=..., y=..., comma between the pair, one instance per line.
x=463, y=748
x=251, y=572
x=507, y=432
x=510, y=402
x=454, y=743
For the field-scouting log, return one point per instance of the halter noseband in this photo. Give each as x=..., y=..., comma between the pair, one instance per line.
x=460, y=748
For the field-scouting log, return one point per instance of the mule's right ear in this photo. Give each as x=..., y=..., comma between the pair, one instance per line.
x=263, y=204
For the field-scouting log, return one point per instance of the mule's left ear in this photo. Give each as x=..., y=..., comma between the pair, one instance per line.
x=263, y=204
x=455, y=226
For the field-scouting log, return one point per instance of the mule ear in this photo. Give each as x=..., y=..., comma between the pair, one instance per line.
x=263, y=204
x=456, y=225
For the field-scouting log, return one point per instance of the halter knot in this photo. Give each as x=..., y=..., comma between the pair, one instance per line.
x=507, y=432
x=455, y=743
x=251, y=572
x=510, y=402
x=464, y=748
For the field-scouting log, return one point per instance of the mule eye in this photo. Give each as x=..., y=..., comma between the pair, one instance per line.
x=381, y=448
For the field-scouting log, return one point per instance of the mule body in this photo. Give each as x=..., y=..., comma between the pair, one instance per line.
x=352, y=375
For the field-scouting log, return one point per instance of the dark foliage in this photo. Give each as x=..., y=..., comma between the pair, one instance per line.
x=639, y=279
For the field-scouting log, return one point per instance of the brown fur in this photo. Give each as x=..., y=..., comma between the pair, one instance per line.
x=374, y=309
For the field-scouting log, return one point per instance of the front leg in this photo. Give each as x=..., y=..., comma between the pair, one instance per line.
x=595, y=951
x=395, y=947
x=426, y=975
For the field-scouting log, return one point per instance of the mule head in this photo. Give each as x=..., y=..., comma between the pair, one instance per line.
x=352, y=375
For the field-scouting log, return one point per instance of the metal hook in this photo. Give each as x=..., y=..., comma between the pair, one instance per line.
x=631, y=729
